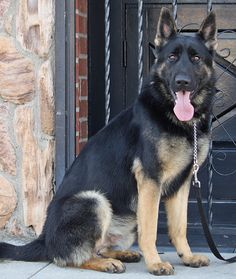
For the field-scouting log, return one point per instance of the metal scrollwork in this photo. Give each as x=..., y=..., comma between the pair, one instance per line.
x=221, y=156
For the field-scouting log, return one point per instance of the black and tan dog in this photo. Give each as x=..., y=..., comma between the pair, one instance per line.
x=113, y=189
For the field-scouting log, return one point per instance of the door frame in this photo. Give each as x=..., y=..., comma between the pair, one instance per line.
x=64, y=87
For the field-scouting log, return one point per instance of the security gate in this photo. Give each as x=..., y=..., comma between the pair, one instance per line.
x=120, y=56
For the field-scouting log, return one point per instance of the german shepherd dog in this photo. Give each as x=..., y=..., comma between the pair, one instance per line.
x=113, y=189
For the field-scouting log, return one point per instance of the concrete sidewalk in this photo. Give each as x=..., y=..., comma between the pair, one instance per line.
x=23, y=270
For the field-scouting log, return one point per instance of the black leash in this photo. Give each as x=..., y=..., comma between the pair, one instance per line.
x=197, y=188
x=206, y=229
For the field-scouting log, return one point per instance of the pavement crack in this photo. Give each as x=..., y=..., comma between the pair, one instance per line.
x=42, y=268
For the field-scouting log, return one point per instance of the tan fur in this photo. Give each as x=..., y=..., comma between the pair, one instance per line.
x=85, y=252
x=203, y=149
x=175, y=153
x=208, y=71
x=105, y=265
x=212, y=44
x=199, y=100
x=147, y=214
x=104, y=211
x=160, y=69
x=121, y=231
x=158, y=41
x=176, y=208
x=77, y=257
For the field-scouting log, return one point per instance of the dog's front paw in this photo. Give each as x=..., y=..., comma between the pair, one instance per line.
x=163, y=268
x=196, y=261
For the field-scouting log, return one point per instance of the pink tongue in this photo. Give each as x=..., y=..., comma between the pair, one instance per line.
x=183, y=109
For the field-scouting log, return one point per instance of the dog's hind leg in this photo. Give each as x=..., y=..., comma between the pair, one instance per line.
x=125, y=256
x=105, y=265
x=176, y=208
x=83, y=222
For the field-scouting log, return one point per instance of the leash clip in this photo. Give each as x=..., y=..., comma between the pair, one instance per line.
x=196, y=182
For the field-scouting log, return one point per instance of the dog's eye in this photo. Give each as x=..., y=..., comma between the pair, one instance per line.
x=196, y=58
x=172, y=57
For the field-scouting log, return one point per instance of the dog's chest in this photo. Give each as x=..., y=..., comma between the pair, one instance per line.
x=175, y=154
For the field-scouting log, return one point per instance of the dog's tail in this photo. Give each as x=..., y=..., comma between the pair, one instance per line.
x=33, y=251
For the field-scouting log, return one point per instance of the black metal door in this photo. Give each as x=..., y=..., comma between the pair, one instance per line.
x=218, y=175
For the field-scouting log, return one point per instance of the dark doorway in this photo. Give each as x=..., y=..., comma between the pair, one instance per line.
x=220, y=194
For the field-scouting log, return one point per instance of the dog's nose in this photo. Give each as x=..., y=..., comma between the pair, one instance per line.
x=183, y=82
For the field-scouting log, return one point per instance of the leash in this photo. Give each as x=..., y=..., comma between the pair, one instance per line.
x=197, y=188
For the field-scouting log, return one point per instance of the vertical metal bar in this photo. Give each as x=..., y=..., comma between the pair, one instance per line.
x=70, y=81
x=174, y=10
x=210, y=159
x=140, y=45
x=209, y=6
x=210, y=178
x=65, y=87
x=107, y=62
x=60, y=88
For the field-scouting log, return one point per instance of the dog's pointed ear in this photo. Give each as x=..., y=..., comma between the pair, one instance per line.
x=166, y=27
x=208, y=31
x=153, y=48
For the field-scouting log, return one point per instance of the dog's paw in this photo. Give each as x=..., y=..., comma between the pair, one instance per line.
x=113, y=266
x=130, y=257
x=163, y=268
x=196, y=261
x=125, y=256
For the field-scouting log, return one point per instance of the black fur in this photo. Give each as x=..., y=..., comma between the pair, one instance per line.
x=78, y=226
x=105, y=163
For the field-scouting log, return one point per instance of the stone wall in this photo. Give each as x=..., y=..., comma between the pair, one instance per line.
x=26, y=113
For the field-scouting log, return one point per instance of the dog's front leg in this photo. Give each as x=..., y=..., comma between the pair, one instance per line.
x=147, y=214
x=176, y=208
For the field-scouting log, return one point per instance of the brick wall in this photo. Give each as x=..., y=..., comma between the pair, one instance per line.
x=81, y=75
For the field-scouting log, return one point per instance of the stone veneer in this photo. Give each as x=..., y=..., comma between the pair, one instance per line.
x=26, y=113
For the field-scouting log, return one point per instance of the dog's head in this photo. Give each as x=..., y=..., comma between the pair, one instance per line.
x=184, y=65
